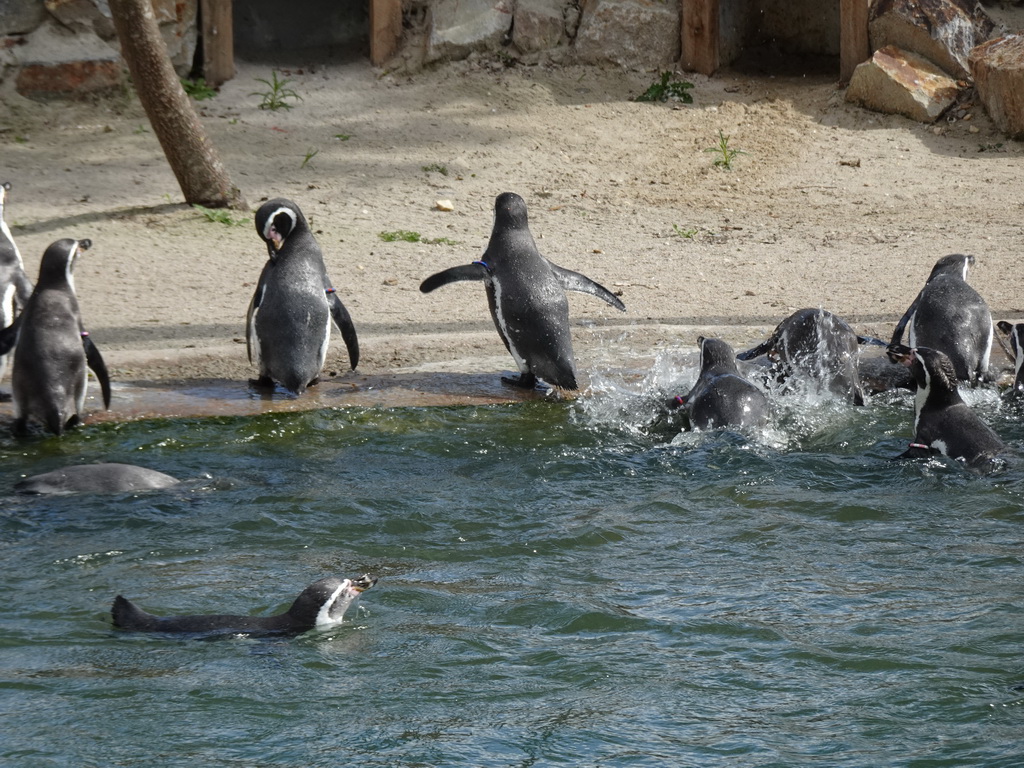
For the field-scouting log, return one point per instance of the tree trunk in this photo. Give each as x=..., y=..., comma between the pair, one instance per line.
x=201, y=176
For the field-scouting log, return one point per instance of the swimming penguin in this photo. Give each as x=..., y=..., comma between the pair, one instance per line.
x=52, y=347
x=722, y=397
x=321, y=605
x=950, y=316
x=1015, y=333
x=943, y=422
x=95, y=478
x=818, y=347
x=288, y=325
x=526, y=296
x=15, y=287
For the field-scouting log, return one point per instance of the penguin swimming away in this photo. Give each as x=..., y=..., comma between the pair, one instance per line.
x=15, y=287
x=321, y=605
x=722, y=397
x=820, y=348
x=950, y=316
x=943, y=422
x=526, y=296
x=1015, y=333
x=95, y=478
x=51, y=347
x=288, y=325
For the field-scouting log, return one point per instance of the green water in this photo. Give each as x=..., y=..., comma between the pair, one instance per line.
x=560, y=584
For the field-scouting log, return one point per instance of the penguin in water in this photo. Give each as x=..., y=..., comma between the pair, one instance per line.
x=943, y=422
x=950, y=316
x=288, y=325
x=820, y=348
x=722, y=397
x=52, y=348
x=15, y=287
x=95, y=478
x=321, y=605
x=1015, y=333
x=526, y=296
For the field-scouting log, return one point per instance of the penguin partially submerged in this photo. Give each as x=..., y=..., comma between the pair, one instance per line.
x=95, y=478
x=15, y=287
x=722, y=397
x=526, y=296
x=52, y=349
x=952, y=317
x=321, y=605
x=288, y=325
x=943, y=423
x=1014, y=332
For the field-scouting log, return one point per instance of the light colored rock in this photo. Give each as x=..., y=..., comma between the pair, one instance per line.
x=998, y=70
x=84, y=16
x=459, y=27
x=902, y=83
x=19, y=17
x=53, y=43
x=943, y=31
x=538, y=24
x=635, y=34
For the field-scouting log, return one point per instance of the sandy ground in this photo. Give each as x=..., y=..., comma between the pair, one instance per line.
x=829, y=205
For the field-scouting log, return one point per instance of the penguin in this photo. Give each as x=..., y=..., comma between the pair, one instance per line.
x=321, y=605
x=15, y=286
x=820, y=348
x=288, y=325
x=943, y=422
x=722, y=397
x=52, y=347
x=526, y=297
x=1015, y=333
x=950, y=316
x=95, y=478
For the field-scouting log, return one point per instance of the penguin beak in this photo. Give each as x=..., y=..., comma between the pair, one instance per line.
x=363, y=583
x=276, y=239
x=84, y=245
x=900, y=354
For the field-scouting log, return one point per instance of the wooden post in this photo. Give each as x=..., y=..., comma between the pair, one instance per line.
x=218, y=41
x=700, y=30
x=385, y=29
x=854, y=44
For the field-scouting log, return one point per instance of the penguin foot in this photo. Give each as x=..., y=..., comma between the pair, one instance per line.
x=314, y=381
x=263, y=382
x=20, y=427
x=5, y=397
x=523, y=381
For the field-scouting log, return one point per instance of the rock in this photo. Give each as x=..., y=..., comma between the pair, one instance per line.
x=83, y=16
x=943, y=31
x=538, y=25
x=18, y=17
x=459, y=27
x=635, y=34
x=998, y=70
x=902, y=83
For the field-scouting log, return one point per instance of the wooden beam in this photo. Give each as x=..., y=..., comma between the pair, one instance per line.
x=700, y=30
x=854, y=43
x=218, y=41
x=385, y=29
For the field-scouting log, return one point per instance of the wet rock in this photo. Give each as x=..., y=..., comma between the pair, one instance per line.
x=539, y=24
x=459, y=27
x=943, y=31
x=635, y=34
x=998, y=70
x=902, y=83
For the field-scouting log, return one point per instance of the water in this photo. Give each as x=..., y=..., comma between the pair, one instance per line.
x=560, y=584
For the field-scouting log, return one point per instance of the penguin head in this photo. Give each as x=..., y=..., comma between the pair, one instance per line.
x=716, y=354
x=1015, y=333
x=955, y=264
x=933, y=371
x=4, y=189
x=510, y=212
x=58, y=262
x=275, y=220
x=323, y=603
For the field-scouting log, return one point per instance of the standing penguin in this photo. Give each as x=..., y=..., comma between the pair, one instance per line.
x=943, y=422
x=526, y=296
x=950, y=316
x=722, y=397
x=288, y=325
x=15, y=287
x=52, y=348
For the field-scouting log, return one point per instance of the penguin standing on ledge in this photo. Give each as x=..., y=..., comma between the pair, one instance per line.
x=15, y=287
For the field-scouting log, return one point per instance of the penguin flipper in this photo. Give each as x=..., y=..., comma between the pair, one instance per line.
x=343, y=320
x=871, y=341
x=574, y=281
x=474, y=271
x=761, y=349
x=897, y=335
x=95, y=361
x=250, y=320
x=9, y=336
x=127, y=615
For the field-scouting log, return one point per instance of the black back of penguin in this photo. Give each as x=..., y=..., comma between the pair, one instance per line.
x=722, y=397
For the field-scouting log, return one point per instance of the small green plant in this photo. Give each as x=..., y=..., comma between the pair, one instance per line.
x=436, y=168
x=725, y=152
x=140, y=130
x=198, y=89
x=310, y=154
x=218, y=215
x=277, y=97
x=688, y=234
x=663, y=90
x=997, y=147
x=407, y=236
x=343, y=136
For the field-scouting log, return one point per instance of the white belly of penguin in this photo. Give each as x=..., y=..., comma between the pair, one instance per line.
x=327, y=339
x=7, y=307
x=523, y=368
